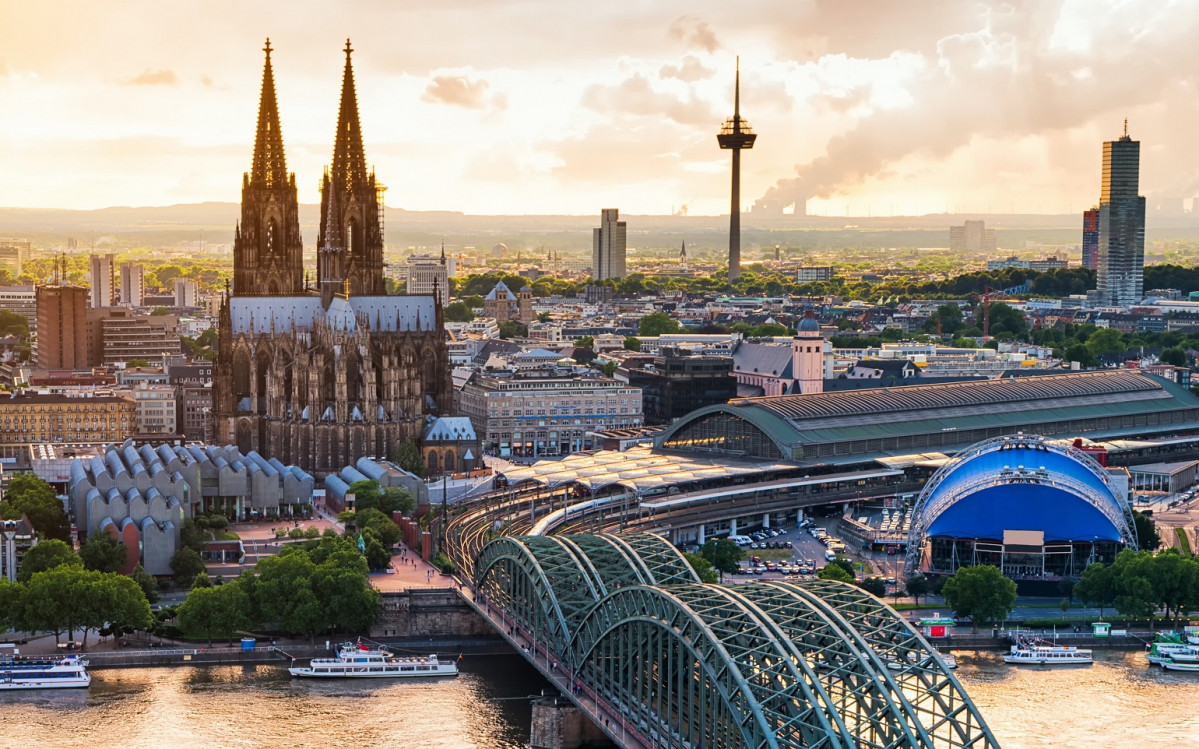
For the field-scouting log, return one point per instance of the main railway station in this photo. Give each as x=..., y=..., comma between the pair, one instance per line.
x=757, y=461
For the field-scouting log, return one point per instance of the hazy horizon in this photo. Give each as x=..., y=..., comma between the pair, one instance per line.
x=875, y=108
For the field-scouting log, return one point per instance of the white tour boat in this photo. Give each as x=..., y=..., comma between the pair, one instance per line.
x=360, y=662
x=1171, y=664
x=947, y=657
x=49, y=672
x=1047, y=655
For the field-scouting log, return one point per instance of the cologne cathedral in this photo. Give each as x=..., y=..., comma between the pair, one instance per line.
x=321, y=375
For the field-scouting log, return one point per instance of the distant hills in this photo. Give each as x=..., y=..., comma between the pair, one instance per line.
x=214, y=222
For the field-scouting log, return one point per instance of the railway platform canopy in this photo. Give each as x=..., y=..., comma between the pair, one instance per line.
x=642, y=470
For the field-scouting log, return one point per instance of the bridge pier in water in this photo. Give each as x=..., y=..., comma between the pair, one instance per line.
x=558, y=724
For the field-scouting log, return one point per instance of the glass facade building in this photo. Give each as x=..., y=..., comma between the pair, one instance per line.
x=1121, y=256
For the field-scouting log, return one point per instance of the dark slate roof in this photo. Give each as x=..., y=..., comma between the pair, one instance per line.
x=763, y=359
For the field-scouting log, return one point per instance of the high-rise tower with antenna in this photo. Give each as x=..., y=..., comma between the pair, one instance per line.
x=735, y=136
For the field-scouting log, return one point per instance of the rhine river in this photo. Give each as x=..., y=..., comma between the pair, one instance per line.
x=1118, y=703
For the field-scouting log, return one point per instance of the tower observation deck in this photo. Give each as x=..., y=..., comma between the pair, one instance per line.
x=735, y=135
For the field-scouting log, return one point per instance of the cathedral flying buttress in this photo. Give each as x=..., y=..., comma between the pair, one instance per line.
x=321, y=378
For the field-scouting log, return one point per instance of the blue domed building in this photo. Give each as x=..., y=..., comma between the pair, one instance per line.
x=1039, y=511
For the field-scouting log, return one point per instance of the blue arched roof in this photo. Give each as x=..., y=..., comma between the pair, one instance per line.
x=1061, y=515
x=1076, y=505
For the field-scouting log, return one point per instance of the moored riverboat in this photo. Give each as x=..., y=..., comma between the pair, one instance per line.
x=358, y=661
x=50, y=672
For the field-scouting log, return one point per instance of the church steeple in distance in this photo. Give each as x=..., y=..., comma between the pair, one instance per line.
x=350, y=241
x=267, y=248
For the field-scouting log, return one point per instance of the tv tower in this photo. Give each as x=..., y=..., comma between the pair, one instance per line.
x=736, y=135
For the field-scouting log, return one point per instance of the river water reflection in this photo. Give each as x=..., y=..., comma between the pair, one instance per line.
x=1118, y=703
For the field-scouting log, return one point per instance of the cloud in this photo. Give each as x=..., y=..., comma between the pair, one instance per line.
x=695, y=33
x=1004, y=74
x=206, y=81
x=3, y=68
x=689, y=70
x=461, y=91
x=154, y=78
x=637, y=96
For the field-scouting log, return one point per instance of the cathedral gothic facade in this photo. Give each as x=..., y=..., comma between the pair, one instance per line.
x=319, y=375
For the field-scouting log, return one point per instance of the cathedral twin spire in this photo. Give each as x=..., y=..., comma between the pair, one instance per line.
x=267, y=252
x=270, y=165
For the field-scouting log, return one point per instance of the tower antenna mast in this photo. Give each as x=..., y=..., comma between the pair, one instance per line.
x=735, y=135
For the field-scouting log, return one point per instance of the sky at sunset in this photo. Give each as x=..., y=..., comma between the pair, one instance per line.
x=564, y=106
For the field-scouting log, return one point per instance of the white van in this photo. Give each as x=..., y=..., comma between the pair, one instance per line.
x=830, y=555
x=741, y=540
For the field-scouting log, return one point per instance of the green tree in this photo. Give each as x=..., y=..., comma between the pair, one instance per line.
x=513, y=329
x=980, y=592
x=657, y=323
x=835, y=572
x=135, y=363
x=875, y=586
x=382, y=526
x=917, y=585
x=192, y=536
x=341, y=585
x=32, y=497
x=703, y=568
x=458, y=312
x=396, y=499
x=408, y=457
x=723, y=554
x=14, y=324
x=1174, y=355
x=47, y=555
x=167, y=274
x=146, y=582
x=10, y=605
x=1008, y=321
x=201, y=615
x=632, y=343
x=1082, y=354
x=186, y=564
x=1146, y=528
x=1106, y=341
x=950, y=317
x=366, y=494
x=1135, y=594
x=103, y=553
x=118, y=606
x=585, y=342
x=846, y=565
x=377, y=555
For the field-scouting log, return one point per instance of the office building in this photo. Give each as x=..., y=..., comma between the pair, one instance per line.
x=608, y=243
x=426, y=275
x=125, y=335
x=808, y=274
x=1090, y=238
x=678, y=382
x=13, y=254
x=62, y=327
x=29, y=418
x=972, y=236
x=546, y=412
x=186, y=293
x=133, y=284
x=23, y=301
x=103, y=278
x=1121, y=257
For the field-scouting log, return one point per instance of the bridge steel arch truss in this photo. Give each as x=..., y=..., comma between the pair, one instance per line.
x=817, y=664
